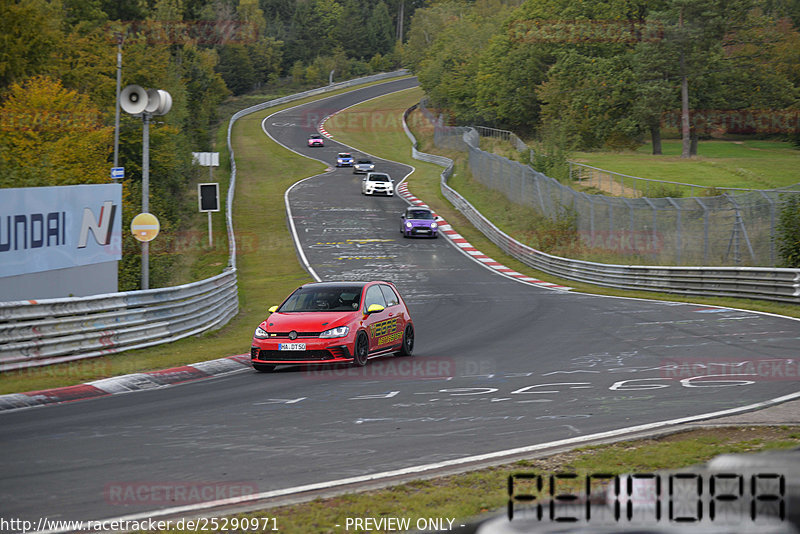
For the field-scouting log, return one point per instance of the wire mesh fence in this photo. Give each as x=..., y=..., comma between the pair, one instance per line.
x=734, y=228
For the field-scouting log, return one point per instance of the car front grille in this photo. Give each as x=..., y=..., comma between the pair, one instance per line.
x=297, y=355
x=299, y=334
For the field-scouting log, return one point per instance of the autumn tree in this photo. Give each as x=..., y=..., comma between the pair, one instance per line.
x=51, y=136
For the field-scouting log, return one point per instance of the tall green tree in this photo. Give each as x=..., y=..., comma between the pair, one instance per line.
x=30, y=34
x=380, y=31
x=312, y=30
x=449, y=68
x=236, y=68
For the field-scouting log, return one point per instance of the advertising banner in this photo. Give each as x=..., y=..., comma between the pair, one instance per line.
x=46, y=228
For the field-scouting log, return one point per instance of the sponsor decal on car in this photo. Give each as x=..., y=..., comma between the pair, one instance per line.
x=390, y=338
x=382, y=328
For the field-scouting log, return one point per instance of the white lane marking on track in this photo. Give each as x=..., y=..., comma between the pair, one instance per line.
x=492, y=456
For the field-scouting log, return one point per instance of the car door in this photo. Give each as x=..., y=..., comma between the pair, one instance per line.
x=376, y=323
x=396, y=316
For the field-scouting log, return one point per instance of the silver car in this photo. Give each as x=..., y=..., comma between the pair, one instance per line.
x=363, y=166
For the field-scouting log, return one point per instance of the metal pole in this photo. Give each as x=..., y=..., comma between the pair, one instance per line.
x=705, y=230
x=116, y=118
x=145, y=195
x=210, y=179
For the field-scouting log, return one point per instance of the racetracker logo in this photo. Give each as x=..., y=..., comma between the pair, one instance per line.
x=745, y=121
x=174, y=493
x=624, y=241
x=757, y=370
x=586, y=31
x=178, y=32
x=389, y=369
x=375, y=121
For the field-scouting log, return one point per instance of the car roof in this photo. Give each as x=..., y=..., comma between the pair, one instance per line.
x=415, y=208
x=356, y=283
x=345, y=154
x=315, y=135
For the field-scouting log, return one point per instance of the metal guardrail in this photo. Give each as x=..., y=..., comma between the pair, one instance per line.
x=726, y=229
x=60, y=330
x=44, y=332
x=764, y=283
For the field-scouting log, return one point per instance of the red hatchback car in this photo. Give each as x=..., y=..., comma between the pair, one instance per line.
x=334, y=322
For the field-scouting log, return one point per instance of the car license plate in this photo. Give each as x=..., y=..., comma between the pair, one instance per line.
x=292, y=346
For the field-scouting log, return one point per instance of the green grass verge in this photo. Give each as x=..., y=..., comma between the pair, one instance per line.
x=742, y=164
x=267, y=261
x=465, y=496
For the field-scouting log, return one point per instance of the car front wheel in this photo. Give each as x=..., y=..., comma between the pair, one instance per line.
x=361, y=351
x=407, y=348
x=263, y=367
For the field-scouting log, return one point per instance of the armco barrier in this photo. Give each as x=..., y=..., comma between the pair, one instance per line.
x=744, y=282
x=44, y=332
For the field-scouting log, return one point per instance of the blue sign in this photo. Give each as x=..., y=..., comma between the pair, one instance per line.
x=117, y=173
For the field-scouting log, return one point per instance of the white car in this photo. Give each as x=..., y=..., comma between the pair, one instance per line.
x=377, y=183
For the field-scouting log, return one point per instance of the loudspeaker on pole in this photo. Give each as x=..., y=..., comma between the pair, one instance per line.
x=159, y=102
x=133, y=99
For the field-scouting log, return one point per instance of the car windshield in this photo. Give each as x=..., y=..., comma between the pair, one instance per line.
x=419, y=214
x=379, y=178
x=322, y=299
x=364, y=162
x=345, y=156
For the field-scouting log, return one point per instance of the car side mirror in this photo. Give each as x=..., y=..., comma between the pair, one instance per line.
x=273, y=309
x=375, y=308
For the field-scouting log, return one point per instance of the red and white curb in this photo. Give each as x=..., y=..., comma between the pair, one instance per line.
x=322, y=129
x=459, y=241
x=126, y=383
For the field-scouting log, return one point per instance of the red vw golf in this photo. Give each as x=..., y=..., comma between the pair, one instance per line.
x=334, y=322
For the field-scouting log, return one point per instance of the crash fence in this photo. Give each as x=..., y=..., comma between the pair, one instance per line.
x=736, y=228
x=43, y=332
x=776, y=284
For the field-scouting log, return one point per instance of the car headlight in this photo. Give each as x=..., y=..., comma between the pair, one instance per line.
x=434, y=226
x=339, y=331
x=261, y=333
x=409, y=225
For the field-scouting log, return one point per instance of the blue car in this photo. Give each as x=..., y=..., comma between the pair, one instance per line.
x=344, y=159
x=419, y=221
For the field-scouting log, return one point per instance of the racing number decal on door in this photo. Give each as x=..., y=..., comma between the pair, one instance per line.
x=385, y=331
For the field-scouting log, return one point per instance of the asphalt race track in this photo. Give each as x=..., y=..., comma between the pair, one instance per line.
x=498, y=365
